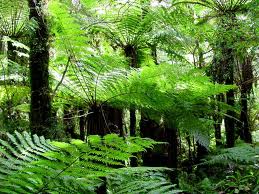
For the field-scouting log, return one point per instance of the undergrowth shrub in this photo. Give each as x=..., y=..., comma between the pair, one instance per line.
x=237, y=172
x=36, y=165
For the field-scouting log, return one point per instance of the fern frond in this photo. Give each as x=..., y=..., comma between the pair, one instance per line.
x=141, y=180
x=241, y=154
x=38, y=165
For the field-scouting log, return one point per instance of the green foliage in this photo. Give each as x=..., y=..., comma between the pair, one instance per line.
x=14, y=108
x=237, y=172
x=240, y=183
x=242, y=154
x=66, y=32
x=13, y=18
x=189, y=183
x=242, y=180
x=141, y=180
x=13, y=85
x=179, y=93
x=37, y=165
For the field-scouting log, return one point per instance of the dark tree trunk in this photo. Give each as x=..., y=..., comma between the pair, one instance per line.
x=11, y=55
x=172, y=139
x=102, y=189
x=82, y=123
x=245, y=133
x=133, y=160
x=229, y=119
x=40, y=114
x=246, y=87
x=104, y=120
x=173, y=151
x=188, y=164
x=114, y=117
x=201, y=152
x=132, y=122
x=131, y=53
x=158, y=155
x=68, y=121
x=96, y=121
x=228, y=61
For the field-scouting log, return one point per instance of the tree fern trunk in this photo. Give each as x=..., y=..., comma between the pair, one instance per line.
x=40, y=113
x=96, y=121
x=131, y=53
x=133, y=160
x=157, y=156
x=246, y=87
x=201, y=152
x=104, y=120
x=132, y=122
x=230, y=98
x=114, y=119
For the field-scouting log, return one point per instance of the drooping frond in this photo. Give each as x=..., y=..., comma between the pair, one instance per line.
x=20, y=150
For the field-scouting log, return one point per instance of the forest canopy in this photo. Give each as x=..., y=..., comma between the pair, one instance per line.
x=129, y=96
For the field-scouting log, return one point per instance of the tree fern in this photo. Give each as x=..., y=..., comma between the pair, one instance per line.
x=181, y=92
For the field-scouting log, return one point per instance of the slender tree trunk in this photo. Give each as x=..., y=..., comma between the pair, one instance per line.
x=172, y=139
x=132, y=122
x=189, y=163
x=133, y=160
x=82, y=123
x=154, y=53
x=230, y=97
x=40, y=113
x=68, y=121
x=217, y=127
x=245, y=128
x=218, y=121
x=131, y=53
x=246, y=87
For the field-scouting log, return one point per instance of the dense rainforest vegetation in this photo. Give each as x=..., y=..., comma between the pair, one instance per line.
x=129, y=96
